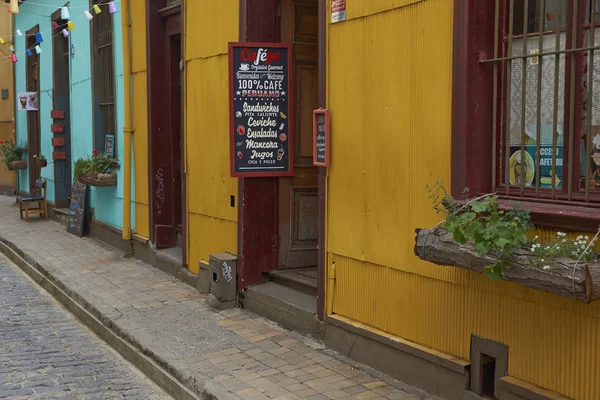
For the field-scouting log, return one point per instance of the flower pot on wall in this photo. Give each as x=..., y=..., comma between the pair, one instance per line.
x=99, y=180
x=42, y=163
x=17, y=165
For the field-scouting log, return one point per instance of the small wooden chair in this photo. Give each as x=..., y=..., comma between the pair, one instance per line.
x=39, y=198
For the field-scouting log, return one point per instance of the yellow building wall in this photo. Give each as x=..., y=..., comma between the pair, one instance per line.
x=7, y=106
x=140, y=116
x=212, y=222
x=390, y=90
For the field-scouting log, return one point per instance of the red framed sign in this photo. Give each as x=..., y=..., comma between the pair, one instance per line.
x=321, y=138
x=261, y=110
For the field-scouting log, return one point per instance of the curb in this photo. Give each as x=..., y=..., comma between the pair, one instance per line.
x=158, y=370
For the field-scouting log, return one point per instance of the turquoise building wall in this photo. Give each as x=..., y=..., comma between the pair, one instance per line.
x=107, y=201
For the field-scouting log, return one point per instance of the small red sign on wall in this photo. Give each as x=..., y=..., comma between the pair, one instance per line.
x=58, y=142
x=58, y=114
x=59, y=155
x=58, y=128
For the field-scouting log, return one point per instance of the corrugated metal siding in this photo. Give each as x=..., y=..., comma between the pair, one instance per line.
x=551, y=343
x=140, y=116
x=212, y=221
x=389, y=90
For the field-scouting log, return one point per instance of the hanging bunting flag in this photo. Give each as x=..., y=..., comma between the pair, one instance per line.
x=13, y=7
x=29, y=53
x=19, y=33
x=88, y=15
x=112, y=7
x=65, y=33
x=64, y=13
x=13, y=57
x=97, y=9
x=2, y=41
x=70, y=25
x=38, y=49
x=12, y=48
x=54, y=24
x=38, y=37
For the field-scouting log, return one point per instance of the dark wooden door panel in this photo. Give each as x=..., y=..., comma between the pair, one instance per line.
x=298, y=195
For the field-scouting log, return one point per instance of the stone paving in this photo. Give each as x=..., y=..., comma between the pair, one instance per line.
x=46, y=353
x=170, y=322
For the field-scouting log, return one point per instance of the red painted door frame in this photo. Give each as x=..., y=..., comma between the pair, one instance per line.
x=258, y=214
x=163, y=23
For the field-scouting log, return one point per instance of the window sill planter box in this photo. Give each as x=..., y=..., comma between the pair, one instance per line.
x=99, y=180
x=565, y=277
x=17, y=165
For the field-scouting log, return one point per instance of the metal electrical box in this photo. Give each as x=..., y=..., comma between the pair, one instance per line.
x=223, y=277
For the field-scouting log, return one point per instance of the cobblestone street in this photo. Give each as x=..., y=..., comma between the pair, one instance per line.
x=46, y=353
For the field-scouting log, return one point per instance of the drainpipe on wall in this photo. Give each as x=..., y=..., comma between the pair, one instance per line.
x=128, y=129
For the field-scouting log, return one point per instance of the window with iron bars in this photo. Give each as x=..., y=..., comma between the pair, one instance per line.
x=546, y=111
x=103, y=76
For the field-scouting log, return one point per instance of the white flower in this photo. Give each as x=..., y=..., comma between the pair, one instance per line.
x=586, y=238
x=561, y=234
x=542, y=260
x=546, y=267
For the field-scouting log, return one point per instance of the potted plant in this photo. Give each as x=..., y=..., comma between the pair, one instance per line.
x=493, y=237
x=11, y=155
x=97, y=170
x=41, y=160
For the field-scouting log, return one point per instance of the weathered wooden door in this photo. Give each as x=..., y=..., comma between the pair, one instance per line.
x=165, y=128
x=33, y=117
x=298, y=205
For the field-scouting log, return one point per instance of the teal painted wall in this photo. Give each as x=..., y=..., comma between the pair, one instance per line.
x=107, y=201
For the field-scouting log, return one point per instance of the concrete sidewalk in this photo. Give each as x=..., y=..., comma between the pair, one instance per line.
x=165, y=328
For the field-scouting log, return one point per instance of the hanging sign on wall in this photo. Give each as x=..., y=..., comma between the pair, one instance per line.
x=321, y=134
x=261, y=109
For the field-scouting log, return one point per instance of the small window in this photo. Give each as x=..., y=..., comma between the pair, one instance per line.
x=103, y=76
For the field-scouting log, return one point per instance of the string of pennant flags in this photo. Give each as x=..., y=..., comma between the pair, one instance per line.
x=65, y=29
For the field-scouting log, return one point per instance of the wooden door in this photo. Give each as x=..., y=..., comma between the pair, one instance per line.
x=164, y=110
x=33, y=117
x=298, y=195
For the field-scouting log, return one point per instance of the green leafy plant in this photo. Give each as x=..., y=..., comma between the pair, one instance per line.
x=484, y=223
x=97, y=163
x=10, y=151
x=40, y=157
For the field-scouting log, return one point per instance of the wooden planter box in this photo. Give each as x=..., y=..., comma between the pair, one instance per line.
x=17, y=165
x=565, y=278
x=99, y=180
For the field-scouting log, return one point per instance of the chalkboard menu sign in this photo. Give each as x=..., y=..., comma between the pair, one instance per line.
x=321, y=138
x=261, y=109
x=76, y=218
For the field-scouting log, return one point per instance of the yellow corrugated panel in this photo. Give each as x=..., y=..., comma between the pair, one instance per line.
x=210, y=235
x=362, y=8
x=550, y=346
x=210, y=185
x=390, y=95
x=138, y=36
x=140, y=116
x=210, y=25
x=389, y=91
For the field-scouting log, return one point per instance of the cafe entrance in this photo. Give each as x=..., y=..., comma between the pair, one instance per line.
x=280, y=234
